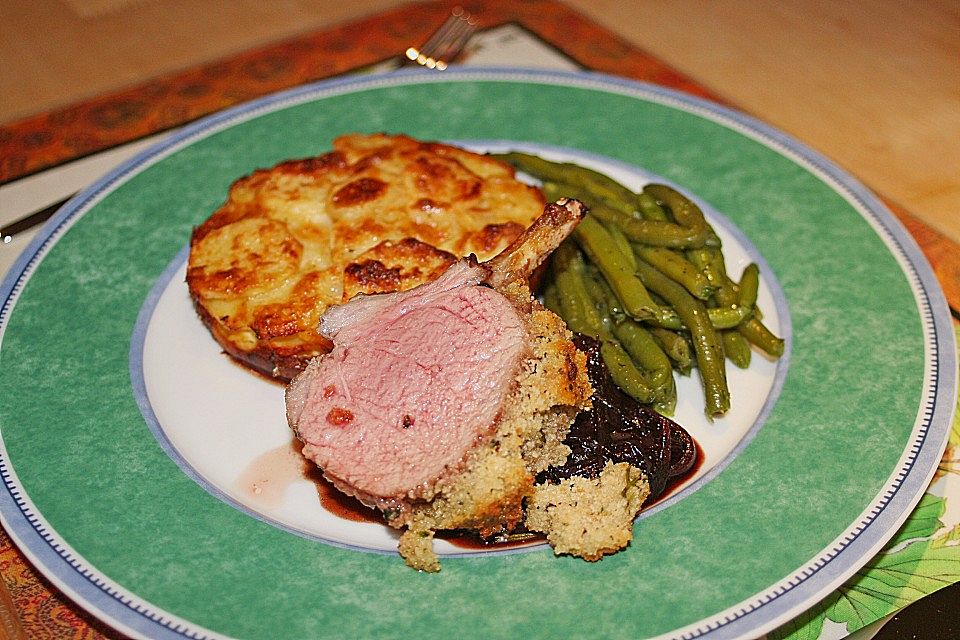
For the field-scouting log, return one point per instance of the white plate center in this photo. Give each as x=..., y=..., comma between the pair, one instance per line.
x=226, y=428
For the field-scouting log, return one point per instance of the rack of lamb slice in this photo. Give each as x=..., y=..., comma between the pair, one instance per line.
x=440, y=405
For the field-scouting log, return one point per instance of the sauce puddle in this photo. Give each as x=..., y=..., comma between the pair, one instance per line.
x=265, y=480
x=268, y=476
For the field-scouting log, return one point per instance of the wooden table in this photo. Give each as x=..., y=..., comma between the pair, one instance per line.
x=873, y=85
x=874, y=88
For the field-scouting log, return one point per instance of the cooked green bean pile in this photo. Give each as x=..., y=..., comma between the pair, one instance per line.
x=644, y=274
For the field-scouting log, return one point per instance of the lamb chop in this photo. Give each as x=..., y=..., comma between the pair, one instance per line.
x=440, y=405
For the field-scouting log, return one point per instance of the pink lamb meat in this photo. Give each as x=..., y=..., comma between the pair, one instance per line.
x=415, y=380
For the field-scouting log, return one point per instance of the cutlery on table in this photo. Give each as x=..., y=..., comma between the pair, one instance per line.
x=446, y=43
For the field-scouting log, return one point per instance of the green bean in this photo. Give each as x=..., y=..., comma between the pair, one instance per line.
x=650, y=209
x=622, y=244
x=684, y=210
x=555, y=190
x=666, y=401
x=679, y=268
x=657, y=233
x=720, y=317
x=753, y=329
x=596, y=242
x=624, y=373
x=611, y=303
x=651, y=285
x=651, y=364
x=676, y=346
x=758, y=334
x=577, y=309
x=645, y=351
x=604, y=187
x=609, y=215
x=710, y=261
x=633, y=205
x=728, y=317
x=634, y=380
x=604, y=299
x=612, y=202
x=551, y=299
x=736, y=348
x=706, y=343
x=635, y=338
x=655, y=228
x=749, y=284
x=743, y=296
x=575, y=298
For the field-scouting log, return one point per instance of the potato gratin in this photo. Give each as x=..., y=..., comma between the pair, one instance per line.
x=378, y=213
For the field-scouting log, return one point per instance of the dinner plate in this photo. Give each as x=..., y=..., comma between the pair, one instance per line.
x=137, y=460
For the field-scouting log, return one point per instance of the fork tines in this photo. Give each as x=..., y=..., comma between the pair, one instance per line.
x=446, y=43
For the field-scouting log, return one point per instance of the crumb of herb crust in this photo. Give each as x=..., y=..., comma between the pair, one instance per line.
x=416, y=547
x=589, y=517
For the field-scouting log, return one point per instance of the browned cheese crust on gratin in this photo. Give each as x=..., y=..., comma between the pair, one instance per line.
x=378, y=213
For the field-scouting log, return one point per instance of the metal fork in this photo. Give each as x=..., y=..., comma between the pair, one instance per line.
x=446, y=43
